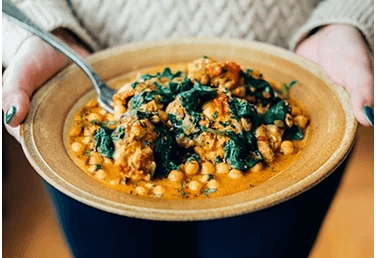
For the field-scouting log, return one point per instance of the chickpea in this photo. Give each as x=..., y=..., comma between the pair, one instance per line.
x=140, y=190
x=102, y=112
x=289, y=120
x=295, y=111
x=163, y=115
x=287, y=147
x=95, y=158
x=78, y=147
x=301, y=121
x=155, y=119
x=101, y=174
x=256, y=168
x=207, y=168
x=92, y=169
x=279, y=123
x=115, y=181
x=119, y=110
x=246, y=125
x=222, y=168
x=158, y=190
x=94, y=116
x=176, y=176
x=76, y=130
x=213, y=184
x=191, y=167
x=86, y=140
x=235, y=174
x=108, y=161
x=204, y=178
x=266, y=94
x=195, y=186
x=239, y=92
x=147, y=178
x=149, y=185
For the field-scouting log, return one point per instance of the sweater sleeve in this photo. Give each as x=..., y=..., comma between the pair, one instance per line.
x=353, y=12
x=50, y=15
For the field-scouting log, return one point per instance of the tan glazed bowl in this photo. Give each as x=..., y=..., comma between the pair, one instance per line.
x=333, y=127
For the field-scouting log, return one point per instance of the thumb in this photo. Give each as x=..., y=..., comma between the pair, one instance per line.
x=360, y=89
x=33, y=64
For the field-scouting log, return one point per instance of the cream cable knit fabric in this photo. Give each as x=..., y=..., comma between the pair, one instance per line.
x=103, y=24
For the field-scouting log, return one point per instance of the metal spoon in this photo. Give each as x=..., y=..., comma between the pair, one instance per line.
x=105, y=93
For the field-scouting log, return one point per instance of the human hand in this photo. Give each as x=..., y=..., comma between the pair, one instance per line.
x=34, y=63
x=343, y=54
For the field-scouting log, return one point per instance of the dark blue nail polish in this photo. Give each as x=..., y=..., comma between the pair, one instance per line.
x=10, y=114
x=368, y=111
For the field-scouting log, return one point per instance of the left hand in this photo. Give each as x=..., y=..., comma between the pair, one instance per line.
x=343, y=54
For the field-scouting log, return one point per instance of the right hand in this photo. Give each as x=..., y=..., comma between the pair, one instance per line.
x=34, y=63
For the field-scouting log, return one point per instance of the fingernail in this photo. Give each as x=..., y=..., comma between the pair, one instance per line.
x=10, y=114
x=368, y=111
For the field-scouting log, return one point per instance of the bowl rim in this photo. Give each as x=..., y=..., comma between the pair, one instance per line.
x=36, y=160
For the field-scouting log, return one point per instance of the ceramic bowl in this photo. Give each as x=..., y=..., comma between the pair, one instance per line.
x=332, y=122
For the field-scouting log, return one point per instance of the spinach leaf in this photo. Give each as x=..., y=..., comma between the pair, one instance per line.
x=242, y=109
x=119, y=133
x=256, y=87
x=241, y=151
x=190, y=98
x=176, y=124
x=166, y=73
x=142, y=98
x=294, y=133
x=103, y=142
x=163, y=147
x=276, y=112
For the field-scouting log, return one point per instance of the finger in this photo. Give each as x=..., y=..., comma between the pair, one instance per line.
x=33, y=64
x=360, y=89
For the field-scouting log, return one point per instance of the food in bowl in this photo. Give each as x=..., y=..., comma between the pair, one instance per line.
x=207, y=129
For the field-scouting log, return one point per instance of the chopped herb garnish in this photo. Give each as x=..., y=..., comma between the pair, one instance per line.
x=97, y=166
x=134, y=84
x=88, y=153
x=285, y=90
x=119, y=133
x=95, y=122
x=224, y=124
x=215, y=115
x=208, y=191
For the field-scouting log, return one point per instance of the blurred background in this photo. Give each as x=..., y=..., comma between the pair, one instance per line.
x=30, y=228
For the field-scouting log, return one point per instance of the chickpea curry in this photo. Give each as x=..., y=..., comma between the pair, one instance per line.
x=209, y=129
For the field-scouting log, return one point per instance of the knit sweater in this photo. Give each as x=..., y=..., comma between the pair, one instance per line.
x=102, y=24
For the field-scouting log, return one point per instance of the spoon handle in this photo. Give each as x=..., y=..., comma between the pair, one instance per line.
x=18, y=17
